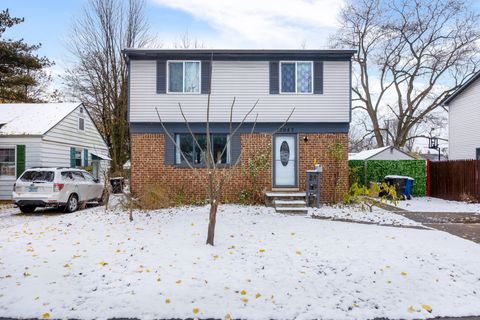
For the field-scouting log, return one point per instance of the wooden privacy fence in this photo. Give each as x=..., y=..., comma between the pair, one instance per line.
x=454, y=180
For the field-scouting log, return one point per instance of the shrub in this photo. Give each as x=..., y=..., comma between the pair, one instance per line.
x=252, y=171
x=362, y=195
x=149, y=198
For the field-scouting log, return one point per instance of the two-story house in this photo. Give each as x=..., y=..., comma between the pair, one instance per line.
x=315, y=82
x=464, y=120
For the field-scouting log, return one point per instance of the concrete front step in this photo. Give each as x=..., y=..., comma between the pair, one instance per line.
x=271, y=197
x=290, y=203
x=292, y=210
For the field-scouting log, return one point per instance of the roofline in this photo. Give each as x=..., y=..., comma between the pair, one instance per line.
x=381, y=149
x=452, y=96
x=238, y=54
x=54, y=125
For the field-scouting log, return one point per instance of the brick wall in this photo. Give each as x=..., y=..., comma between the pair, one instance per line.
x=148, y=166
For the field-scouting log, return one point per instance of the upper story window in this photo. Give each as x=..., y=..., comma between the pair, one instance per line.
x=184, y=76
x=296, y=77
x=81, y=120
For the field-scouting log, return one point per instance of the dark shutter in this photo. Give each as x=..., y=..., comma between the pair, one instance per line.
x=72, y=157
x=235, y=147
x=20, y=158
x=318, y=77
x=169, y=150
x=161, y=76
x=206, y=76
x=274, y=80
x=85, y=157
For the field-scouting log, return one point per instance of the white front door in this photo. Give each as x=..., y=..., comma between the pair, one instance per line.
x=285, y=161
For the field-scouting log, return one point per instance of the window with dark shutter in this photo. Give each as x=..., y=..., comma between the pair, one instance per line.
x=274, y=79
x=206, y=77
x=318, y=77
x=161, y=76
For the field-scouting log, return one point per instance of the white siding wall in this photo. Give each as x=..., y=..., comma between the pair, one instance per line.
x=391, y=154
x=32, y=159
x=247, y=81
x=464, y=123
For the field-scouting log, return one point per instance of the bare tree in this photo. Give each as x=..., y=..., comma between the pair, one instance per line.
x=410, y=56
x=99, y=78
x=216, y=175
x=187, y=42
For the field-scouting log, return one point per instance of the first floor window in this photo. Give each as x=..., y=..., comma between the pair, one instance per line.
x=184, y=76
x=194, y=152
x=296, y=77
x=7, y=161
x=478, y=153
x=78, y=158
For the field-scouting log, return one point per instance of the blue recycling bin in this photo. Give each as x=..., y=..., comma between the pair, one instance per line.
x=409, y=187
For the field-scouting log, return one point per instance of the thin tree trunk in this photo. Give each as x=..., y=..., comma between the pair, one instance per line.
x=212, y=221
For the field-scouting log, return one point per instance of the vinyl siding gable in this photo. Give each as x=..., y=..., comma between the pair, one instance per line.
x=464, y=123
x=247, y=82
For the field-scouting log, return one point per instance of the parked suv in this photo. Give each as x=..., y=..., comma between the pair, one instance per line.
x=63, y=188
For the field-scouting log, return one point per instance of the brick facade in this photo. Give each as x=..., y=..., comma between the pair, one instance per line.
x=148, y=166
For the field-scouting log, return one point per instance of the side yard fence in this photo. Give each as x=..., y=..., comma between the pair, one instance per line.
x=365, y=171
x=455, y=180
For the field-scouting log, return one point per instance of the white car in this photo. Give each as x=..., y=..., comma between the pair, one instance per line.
x=64, y=188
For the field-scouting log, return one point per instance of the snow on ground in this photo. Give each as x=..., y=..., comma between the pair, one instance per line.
x=355, y=213
x=93, y=264
x=429, y=204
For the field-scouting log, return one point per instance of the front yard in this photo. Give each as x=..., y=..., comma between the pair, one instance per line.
x=93, y=264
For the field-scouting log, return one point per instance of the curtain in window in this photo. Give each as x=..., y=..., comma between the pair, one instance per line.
x=7, y=162
x=192, y=77
x=304, y=77
x=288, y=77
x=175, y=76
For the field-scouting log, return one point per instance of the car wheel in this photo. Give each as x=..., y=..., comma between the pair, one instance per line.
x=27, y=209
x=72, y=204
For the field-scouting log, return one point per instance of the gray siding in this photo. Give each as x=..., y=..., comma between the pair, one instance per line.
x=391, y=154
x=32, y=159
x=247, y=81
x=464, y=123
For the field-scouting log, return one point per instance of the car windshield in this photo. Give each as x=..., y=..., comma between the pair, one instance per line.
x=38, y=176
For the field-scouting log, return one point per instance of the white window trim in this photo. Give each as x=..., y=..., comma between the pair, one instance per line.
x=81, y=115
x=81, y=157
x=183, y=89
x=14, y=147
x=296, y=77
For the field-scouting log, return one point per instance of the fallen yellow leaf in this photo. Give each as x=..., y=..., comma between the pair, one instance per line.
x=427, y=307
x=26, y=274
x=103, y=263
x=245, y=300
x=403, y=273
x=261, y=250
x=195, y=310
x=258, y=295
x=158, y=279
x=411, y=309
x=215, y=257
x=167, y=301
x=227, y=317
x=178, y=281
x=243, y=292
x=46, y=315
x=66, y=265
x=299, y=253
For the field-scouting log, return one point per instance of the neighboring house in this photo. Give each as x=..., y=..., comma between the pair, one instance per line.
x=47, y=135
x=464, y=120
x=384, y=153
x=315, y=82
x=432, y=157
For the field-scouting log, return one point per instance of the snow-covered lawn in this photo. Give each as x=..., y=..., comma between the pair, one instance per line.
x=355, y=213
x=93, y=264
x=429, y=204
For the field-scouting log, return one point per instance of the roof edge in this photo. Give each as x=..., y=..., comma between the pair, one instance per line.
x=452, y=96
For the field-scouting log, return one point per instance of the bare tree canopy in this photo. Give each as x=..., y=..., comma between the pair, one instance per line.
x=411, y=55
x=99, y=77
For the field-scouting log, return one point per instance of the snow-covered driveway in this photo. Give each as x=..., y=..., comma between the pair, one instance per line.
x=93, y=264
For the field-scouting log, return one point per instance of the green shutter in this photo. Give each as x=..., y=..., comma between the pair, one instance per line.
x=72, y=157
x=85, y=157
x=20, y=158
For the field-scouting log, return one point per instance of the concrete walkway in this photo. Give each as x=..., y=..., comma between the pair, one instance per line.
x=462, y=224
